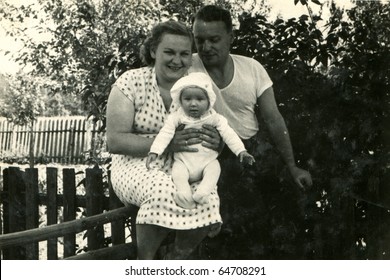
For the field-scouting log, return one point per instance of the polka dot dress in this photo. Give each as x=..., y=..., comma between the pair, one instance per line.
x=153, y=190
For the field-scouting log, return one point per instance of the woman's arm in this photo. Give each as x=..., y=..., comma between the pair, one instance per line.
x=120, y=119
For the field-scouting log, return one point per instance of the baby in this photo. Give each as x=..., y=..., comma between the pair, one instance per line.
x=195, y=98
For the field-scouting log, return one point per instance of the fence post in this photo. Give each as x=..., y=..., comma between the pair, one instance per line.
x=94, y=196
x=69, y=188
x=52, y=181
x=71, y=142
x=32, y=215
x=117, y=227
x=5, y=201
x=17, y=209
x=1, y=202
x=13, y=139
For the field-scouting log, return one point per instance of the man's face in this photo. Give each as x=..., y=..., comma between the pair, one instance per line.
x=212, y=41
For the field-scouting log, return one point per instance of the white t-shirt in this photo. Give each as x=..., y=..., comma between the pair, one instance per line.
x=236, y=102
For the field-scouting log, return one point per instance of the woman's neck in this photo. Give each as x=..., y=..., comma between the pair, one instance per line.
x=164, y=84
x=165, y=93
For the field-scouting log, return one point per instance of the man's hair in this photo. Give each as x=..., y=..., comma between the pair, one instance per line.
x=214, y=13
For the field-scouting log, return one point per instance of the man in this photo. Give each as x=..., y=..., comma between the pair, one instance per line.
x=241, y=84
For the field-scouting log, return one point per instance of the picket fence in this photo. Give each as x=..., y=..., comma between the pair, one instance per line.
x=64, y=140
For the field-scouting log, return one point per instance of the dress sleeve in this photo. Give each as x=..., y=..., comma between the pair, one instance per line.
x=125, y=83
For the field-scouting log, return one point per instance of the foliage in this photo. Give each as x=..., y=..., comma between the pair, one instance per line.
x=22, y=103
x=50, y=104
x=88, y=44
x=22, y=100
x=331, y=86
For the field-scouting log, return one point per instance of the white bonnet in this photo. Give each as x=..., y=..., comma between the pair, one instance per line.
x=195, y=79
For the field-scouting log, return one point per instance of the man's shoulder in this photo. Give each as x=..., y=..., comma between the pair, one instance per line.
x=244, y=59
x=245, y=64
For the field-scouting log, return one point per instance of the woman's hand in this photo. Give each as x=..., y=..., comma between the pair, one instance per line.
x=183, y=139
x=210, y=138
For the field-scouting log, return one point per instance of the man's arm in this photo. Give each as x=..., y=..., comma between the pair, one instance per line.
x=280, y=136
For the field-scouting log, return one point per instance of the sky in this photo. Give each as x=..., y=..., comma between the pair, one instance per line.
x=8, y=43
x=285, y=8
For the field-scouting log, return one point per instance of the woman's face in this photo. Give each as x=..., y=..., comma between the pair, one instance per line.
x=173, y=57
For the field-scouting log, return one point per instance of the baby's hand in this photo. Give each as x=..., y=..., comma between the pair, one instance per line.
x=151, y=157
x=246, y=158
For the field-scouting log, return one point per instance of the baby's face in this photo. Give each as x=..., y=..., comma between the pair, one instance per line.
x=194, y=102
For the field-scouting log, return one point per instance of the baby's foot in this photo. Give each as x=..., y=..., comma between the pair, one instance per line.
x=184, y=200
x=201, y=198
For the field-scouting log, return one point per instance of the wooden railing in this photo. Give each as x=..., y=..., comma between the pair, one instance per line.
x=21, y=199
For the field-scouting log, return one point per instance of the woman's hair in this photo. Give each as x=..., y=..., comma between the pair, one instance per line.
x=214, y=13
x=154, y=39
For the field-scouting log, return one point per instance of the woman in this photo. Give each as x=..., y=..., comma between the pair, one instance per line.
x=138, y=104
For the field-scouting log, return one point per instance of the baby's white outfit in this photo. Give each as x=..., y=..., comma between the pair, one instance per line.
x=196, y=161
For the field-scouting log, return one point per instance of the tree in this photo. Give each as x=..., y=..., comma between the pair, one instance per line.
x=21, y=104
x=90, y=43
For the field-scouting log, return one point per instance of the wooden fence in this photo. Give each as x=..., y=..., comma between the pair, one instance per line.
x=56, y=139
x=363, y=219
x=21, y=199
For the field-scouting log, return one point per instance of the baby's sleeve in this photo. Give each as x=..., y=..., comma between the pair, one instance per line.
x=229, y=136
x=165, y=135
